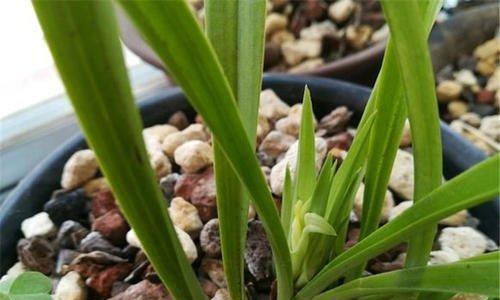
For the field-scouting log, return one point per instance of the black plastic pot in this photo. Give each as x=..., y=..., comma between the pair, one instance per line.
x=36, y=188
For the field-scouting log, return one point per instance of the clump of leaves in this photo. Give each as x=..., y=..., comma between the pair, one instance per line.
x=26, y=286
x=220, y=74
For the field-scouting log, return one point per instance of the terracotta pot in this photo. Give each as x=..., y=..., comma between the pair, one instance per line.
x=36, y=188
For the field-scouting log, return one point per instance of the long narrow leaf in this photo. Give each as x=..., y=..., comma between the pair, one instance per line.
x=172, y=31
x=83, y=39
x=415, y=65
x=386, y=131
x=478, y=277
x=305, y=177
x=242, y=65
x=475, y=186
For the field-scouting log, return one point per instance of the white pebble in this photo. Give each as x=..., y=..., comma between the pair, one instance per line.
x=158, y=132
x=341, y=10
x=491, y=127
x=221, y=294
x=186, y=242
x=465, y=241
x=192, y=156
x=187, y=245
x=38, y=225
x=271, y=106
x=399, y=209
x=386, y=207
x=80, y=168
x=71, y=287
x=402, y=174
x=160, y=164
x=185, y=215
x=440, y=257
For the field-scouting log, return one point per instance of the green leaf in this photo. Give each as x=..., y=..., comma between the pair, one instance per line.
x=171, y=29
x=479, y=277
x=287, y=203
x=410, y=43
x=30, y=283
x=83, y=39
x=239, y=48
x=305, y=176
x=386, y=132
x=4, y=296
x=322, y=189
x=482, y=184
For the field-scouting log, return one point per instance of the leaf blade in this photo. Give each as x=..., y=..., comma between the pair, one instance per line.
x=479, y=277
x=245, y=76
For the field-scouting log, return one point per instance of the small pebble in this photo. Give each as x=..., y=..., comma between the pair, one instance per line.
x=193, y=156
x=144, y=290
x=37, y=254
x=472, y=119
x=70, y=234
x=258, y=254
x=358, y=36
x=275, y=22
x=94, y=241
x=179, y=120
x=199, y=189
x=221, y=294
x=439, y=257
x=341, y=10
x=464, y=241
x=64, y=259
x=406, y=137
x=276, y=143
x=399, y=209
x=71, y=287
x=209, y=288
x=465, y=77
x=401, y=179
x=158, y=133
x=386, y=207
x=215, y=271
x=210, y=239
x=296, y=51
x=101, y=203
x=185, y=216
x=96, y=185
x=38, y=225
x=80, y=168
x=448, y=90
x=336, y=121
x=67, y=206
x=457, y=109
x=160, y=163
x=112, y=226
x=271, y=106
x=491, y=127
x=167, y=185
x=102, y=282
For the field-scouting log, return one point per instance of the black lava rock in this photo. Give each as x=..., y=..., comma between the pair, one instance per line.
x=68, y=206
x=94, y=241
